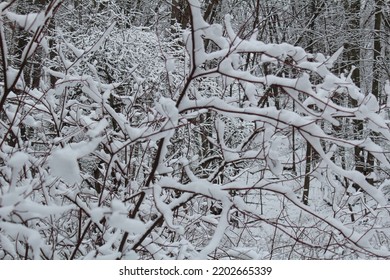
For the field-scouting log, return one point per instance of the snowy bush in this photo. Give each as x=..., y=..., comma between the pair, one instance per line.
x=143, y=148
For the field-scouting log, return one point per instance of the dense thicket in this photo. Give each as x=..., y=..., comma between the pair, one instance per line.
x=191, y=129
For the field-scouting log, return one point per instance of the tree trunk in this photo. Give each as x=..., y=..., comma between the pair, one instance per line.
x=352, y=52
x=306, y=182
x=309, y=149
x=375, y=89
x=180, y=13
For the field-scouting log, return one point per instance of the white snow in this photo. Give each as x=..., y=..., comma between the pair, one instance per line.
x=17, y=161
x=63, y=163
x=120, y=220
x=29, y=22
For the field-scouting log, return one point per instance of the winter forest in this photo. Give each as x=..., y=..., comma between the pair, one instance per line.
x=194, y=129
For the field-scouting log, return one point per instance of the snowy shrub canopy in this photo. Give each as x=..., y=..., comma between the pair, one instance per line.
x=196, y=143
